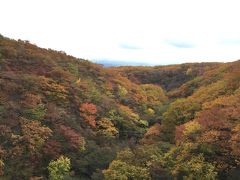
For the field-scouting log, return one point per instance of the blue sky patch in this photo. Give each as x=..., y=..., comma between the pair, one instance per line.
x=180, y=44
x=231, y=41
x=129, y=46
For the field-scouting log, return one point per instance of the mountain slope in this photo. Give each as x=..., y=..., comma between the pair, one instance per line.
x=115, y=123
x=53, y=104
x=202, y=121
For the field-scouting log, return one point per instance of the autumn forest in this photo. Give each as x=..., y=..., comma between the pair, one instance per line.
x=63, y=117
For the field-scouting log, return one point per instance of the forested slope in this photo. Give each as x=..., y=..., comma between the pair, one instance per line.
x=201, y=124
x=56, y=111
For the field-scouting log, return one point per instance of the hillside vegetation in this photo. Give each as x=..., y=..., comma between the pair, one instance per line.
x=67, y=118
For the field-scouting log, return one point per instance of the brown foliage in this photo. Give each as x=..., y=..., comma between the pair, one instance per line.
x=31, y=100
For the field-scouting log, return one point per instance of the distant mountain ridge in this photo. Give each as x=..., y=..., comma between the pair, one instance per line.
x=112, y=63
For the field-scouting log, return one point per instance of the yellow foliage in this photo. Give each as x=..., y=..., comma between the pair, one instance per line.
x=78, y=81
x=191, y=128
x=150, y=111
x=1, y=167
x=106, y=128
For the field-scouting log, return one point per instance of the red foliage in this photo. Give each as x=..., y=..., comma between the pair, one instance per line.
x=76, y=140
x=52, y=148
x=88, y=111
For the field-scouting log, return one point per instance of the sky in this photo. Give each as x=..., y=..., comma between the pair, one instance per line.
x=149, y=31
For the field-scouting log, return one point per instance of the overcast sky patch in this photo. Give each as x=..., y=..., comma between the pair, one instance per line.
x=128, y=30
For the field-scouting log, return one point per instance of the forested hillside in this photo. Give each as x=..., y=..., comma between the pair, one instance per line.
x=67, y=118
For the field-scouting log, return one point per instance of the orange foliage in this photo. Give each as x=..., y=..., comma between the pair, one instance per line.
x=179, y=133
x=34, y=134
x=53, y=90
x=128, y=112
x=88, y=111
x=235, y=140
x=153, y=130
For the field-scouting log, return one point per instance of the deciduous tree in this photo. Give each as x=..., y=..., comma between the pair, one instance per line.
x=88, y=112
x=59, y=169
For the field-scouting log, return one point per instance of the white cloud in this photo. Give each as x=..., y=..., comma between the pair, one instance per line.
x=94, y=29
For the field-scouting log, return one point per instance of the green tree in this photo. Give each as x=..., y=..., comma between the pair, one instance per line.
x=119, y=170
x=122, y=92
x=179, y=112
x=183, y=163
x=36, y=113
x=59, y=169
